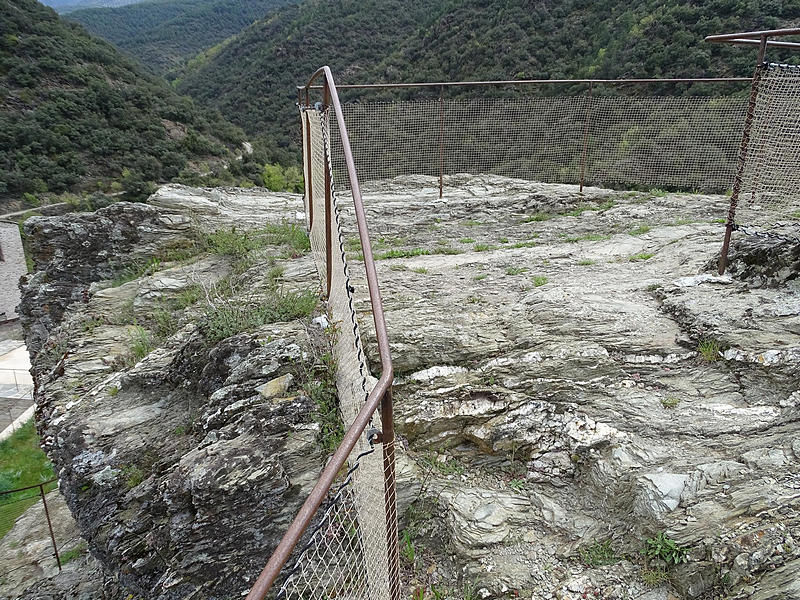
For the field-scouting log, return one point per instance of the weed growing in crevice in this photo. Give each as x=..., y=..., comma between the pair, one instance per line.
x=663, y=548
x=598, y=553
x=710, y=349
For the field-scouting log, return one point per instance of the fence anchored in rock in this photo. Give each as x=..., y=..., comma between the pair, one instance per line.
x=344, y=540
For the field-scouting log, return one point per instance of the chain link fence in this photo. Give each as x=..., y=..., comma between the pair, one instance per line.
x=767, y=194
x=635, y=142
x=345, y=553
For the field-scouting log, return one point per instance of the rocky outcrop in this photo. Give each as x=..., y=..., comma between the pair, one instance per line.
x=572, y=379
x=71, y=252
x=182, y=451
x=571, y=371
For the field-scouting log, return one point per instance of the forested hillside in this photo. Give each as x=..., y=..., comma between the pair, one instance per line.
x=251, y=77
x=65, y=6
x=75, y=114
x=164, y=33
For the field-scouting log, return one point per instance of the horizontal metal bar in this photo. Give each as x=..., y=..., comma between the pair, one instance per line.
x=770, y=43
x=30, y=487
x=533, y=82
x=727, y=37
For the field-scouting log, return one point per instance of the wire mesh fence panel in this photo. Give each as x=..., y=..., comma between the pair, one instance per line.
x=346, y=553
x=674, y=142
x=769, y=197
x=636, y=141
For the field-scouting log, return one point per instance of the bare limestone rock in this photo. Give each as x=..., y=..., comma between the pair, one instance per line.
x=182, y=474
x=570, y=372
x=547, y=344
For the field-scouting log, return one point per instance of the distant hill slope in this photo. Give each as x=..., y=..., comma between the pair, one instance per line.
x=164, y=33
x=251, y=76
x=75, y=112
x=65, y=6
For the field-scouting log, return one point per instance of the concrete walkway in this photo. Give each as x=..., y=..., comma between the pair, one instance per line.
x=16, y=384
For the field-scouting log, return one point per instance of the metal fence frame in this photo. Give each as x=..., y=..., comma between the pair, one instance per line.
x=381, y=394
x=41, y=486
x=748, y=38
x=592, y=84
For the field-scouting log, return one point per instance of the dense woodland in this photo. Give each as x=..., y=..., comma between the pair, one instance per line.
x=66, y=6
x=75, y=114
x=166, y=33
x=251, y=77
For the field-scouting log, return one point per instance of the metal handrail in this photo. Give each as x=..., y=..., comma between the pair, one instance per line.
x=439, y=84
x=381, y=394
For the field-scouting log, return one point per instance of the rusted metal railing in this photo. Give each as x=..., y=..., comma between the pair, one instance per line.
x=760, y=39
x=41, y=493
x=379, y=397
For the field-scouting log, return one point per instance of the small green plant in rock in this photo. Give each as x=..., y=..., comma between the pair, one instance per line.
x=663, y=548
x=407, y=550
x=710, y=349
x=483, y=247
x=472, y=223
x=539, y=280
x=135, y=270
x=420, y=270
x=641, y=256
x=670, y=402
x=321, y=389
x=655, y=577
x=518, y=485
x=470, y=591
x=641, y=230
x=515, y=270
x=402, y=253
x=141, y=343
x=658, y=193
x=113, y=391
x=467, y=240
x=480, y=277
x=73, y=553
x=585, y=262
x=133, y=476
x=598, y=553
x=188, y=296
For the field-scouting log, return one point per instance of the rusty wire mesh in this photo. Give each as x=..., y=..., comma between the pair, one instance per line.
x=686, y=143
x=345, y=555
x=769, y=198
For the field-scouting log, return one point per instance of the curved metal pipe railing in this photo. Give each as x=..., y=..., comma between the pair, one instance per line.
x=380, y=396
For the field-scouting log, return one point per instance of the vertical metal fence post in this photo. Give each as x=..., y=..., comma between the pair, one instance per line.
x=390, y=496
x=737, y=180
x=441, y=140
x=328, y=204
x=586, y=135
x=309, y=192
x=50, y=526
